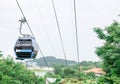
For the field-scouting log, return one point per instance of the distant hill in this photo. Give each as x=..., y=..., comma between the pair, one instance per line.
x=52, y=61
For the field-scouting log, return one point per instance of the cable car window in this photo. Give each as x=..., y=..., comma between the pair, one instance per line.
x=25, y=40
x=24, y=43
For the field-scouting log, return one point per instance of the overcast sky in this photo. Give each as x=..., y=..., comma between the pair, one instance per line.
x=40, y=15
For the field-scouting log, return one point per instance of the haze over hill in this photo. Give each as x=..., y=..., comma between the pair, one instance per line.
x=52, y=61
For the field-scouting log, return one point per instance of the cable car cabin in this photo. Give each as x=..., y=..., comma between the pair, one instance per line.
x=26, y=48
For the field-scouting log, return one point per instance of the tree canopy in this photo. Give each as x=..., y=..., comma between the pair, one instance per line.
x=15, y=73
x=110, y=51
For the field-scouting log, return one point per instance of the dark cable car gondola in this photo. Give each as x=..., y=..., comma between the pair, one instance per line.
x=26, y=46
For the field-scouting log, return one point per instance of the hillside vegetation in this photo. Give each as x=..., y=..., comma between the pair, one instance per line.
x=52, y=61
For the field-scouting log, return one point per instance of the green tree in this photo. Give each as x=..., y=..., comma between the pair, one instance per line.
x=91, y=75
x=58, y=69
x=69, y=72
x=15, y=73
x=98, y=64
x=87, y=63
x=110, y=51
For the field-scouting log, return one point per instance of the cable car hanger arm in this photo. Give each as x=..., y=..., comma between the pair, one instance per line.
x=23, y=20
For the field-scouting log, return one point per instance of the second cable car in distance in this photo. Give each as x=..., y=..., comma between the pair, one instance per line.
x=26, y=46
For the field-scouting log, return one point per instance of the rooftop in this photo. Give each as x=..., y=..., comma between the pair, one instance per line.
x=95, y=70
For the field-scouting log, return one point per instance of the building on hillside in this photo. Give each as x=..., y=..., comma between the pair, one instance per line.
x=47, y=68
x=32, y=66
x=97, y=71
x=35, y=66
x=50, y=80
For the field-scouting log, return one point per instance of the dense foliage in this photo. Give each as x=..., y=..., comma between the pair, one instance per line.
x=71, y=75
x=110, y=53
x=15, y=73
x=90, y=64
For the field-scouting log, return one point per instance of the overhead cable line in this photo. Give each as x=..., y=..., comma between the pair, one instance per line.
x=76, y=32
x=40, y=14
x=59, y=32
x=33, y=35
x=25, y=18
